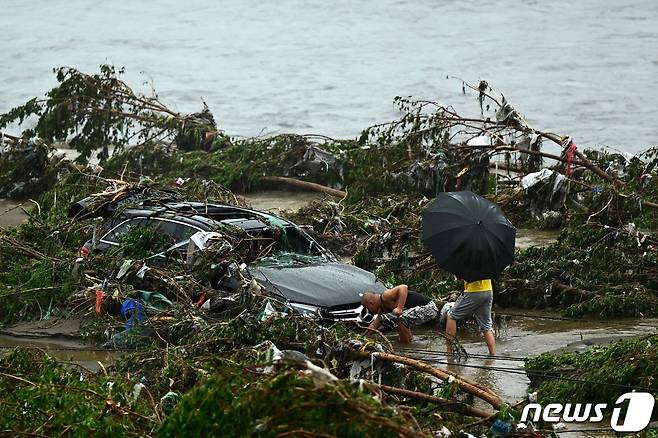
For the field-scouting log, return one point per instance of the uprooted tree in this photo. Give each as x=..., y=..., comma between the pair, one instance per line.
x=430, y=148
x=96, y=112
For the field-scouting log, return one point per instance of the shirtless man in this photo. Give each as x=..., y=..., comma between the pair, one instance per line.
x=399, y=308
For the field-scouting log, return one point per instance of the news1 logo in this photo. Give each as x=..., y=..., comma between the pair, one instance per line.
x=638, y=413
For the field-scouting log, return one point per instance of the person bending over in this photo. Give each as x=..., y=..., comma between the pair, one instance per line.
x=476, y=300
x=399, y=308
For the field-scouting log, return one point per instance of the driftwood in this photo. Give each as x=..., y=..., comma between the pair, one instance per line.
x=466, y=385
x=449, y=404
x=304, y=185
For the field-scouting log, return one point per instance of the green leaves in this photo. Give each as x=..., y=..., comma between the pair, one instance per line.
x=629, y=362
x=97, y=112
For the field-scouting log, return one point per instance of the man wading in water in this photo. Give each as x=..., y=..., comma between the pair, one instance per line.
x=476, y=300
x=399, y=308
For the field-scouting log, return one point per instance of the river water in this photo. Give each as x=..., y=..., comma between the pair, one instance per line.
x=587, y=68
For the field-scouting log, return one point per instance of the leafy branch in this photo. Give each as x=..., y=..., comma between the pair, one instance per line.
x=100, y=111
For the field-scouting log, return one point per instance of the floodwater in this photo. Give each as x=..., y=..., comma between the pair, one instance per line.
x=277, y=201
x=11, y=213
x=586, y=69
x=521, y=336
x=525, y=238
x=64, y=350
x=531, y=333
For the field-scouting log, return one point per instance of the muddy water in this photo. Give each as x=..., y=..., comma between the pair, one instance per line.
x=526, y=238
x=276, y=201
x=11, y=214
x=522, y=336
x=64, y=350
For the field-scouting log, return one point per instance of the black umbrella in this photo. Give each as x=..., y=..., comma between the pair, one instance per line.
x=468, y=235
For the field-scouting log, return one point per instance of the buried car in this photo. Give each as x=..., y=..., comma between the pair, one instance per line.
x=304, y=274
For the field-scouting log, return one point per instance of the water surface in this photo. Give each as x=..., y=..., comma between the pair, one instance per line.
x=587, y=69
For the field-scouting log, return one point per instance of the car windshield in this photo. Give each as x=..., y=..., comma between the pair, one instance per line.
x=284, y=259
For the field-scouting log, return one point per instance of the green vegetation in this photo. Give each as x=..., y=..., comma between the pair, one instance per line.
x=591, y=270
x=141, y=242
x=245, y=405
x=42, y=396
x=606, y=372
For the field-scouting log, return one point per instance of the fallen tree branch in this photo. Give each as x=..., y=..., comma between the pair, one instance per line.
x=450, y=404
x=466, y=385
x=304, y=185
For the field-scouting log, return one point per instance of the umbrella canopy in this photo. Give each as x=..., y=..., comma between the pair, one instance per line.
x=468, y=235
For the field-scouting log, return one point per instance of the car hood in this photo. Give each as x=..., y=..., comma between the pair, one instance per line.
x=326, y=285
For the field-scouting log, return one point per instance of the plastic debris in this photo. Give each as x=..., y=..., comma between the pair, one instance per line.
x=125, y=267
x=534, y=178
x=501, y=428
x=133, y=311
x=142, y=271
x=137, y=390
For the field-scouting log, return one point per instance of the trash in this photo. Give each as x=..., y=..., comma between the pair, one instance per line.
x=137, y=390
x=125, y=267
x=142, y=271
x=77, y=266
x=133, y=312
x=443, y=432
x=269, y=312
x=317, y=162
x=559, y=426
x=154, y=302
x=200, y=241
x=271, y=354
x=534, y=178
x=501, y=428
x=100, y=295
x=169, y=401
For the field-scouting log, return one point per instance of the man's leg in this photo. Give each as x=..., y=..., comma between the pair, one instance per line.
x=451, y=332
x=459, y=311
x=483, y=317
x=404, y=332
x=491, y=342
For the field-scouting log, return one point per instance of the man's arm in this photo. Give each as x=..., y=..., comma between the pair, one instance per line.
x=401, y=291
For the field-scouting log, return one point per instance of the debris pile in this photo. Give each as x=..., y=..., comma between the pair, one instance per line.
x=201, y=325
x=592, y=269
x=27, y=167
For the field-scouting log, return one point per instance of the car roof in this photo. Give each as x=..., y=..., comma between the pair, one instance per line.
x=208, y=216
